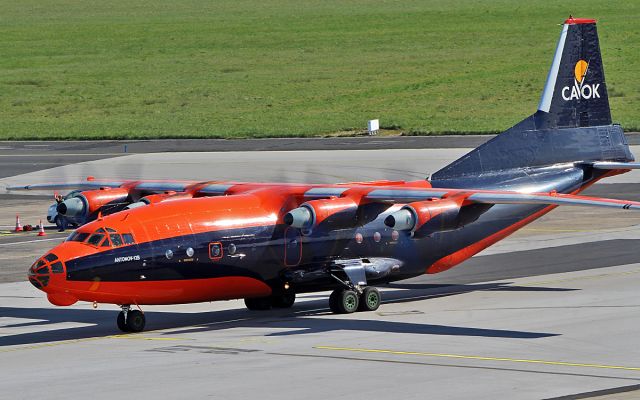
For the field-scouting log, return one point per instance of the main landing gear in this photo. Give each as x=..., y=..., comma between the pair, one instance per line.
x=131, y=320
x=355, y=295
x=348, y=300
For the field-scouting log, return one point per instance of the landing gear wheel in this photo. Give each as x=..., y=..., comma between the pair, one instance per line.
x=333, y=301
x=369, y=299
x=122, y=325
x=343, y=301
x=284, y=300
x=258, y=303
x=135, y=321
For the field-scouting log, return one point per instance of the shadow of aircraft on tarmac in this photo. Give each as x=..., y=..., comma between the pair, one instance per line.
x=286, y=322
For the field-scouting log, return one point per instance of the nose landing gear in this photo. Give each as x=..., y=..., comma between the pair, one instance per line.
x=130, y=320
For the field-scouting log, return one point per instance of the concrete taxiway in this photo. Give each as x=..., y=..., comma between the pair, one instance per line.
x=549, y=312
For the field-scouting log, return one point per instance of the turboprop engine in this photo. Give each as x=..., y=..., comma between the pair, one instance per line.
x=334, y=212
x=425, y=217
x=91, y=201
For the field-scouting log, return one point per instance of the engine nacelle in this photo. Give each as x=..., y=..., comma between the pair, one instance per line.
x=334, y=213
x=159, y=198
x=426, y=217
x=90, y=201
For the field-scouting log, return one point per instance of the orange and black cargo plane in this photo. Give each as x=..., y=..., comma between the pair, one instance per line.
x=182, y=242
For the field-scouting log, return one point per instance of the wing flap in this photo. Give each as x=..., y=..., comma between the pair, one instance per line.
x=404, y=196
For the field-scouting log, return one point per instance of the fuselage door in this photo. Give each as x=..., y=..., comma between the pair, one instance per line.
x=292, y=247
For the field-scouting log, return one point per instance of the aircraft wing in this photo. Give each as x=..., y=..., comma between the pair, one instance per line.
x=614, y=165
x=87, y=185
x=499, y=197
x=550, y=199
x=90, y=183
x=390, y=194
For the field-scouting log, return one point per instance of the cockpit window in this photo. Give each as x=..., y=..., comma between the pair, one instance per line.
x=116, y=240
x=95, y=239
x=56, y=267
x=127, y=238
x=50, y=257
x=79, y=237
x=100, y=238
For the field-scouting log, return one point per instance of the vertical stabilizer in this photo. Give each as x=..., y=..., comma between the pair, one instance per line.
x=575, y=94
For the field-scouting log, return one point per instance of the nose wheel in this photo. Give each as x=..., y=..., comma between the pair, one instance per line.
x=130, y=320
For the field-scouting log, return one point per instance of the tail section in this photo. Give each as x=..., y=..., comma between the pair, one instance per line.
x=575, y=93
x=573, y=120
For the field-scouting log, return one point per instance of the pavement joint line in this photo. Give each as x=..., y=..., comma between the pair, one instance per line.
x=50, y=344
x=140, y=337
x=480, y=358
x=550, y=230
x=72, y=341
x=581, y=278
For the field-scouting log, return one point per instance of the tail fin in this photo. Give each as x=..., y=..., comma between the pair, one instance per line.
x=573, y=120
x=575, y=93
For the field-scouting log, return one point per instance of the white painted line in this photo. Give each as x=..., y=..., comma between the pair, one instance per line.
x=31, y=241
x=64, y=154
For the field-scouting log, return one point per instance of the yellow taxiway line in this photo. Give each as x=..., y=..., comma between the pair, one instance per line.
x=481, y=358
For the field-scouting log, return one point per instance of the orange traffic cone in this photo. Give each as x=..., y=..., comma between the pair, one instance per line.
x=41, y=233
x=18, y=224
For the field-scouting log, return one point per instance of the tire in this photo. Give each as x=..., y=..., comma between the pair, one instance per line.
x=122, y=325
x=135, y=321
x=334, y=299
x=347, y=302
x=258, y=303
x=369, y=299
x=284, y=300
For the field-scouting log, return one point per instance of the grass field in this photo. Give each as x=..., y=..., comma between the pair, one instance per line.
x=255, y=68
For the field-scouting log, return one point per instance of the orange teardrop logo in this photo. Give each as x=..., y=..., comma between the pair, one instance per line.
x=580, y=70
